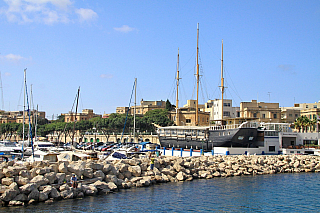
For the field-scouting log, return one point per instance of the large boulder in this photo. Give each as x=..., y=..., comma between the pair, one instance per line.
x=77, y=168
x=67, y=194
x=54, y=193
x=112, y=186
x=62, y=167
x=106, y=168
x=100, y=174
x=43, y=196
x=90, y=190
x=8, y=172
x=135, y=170
x=34, y=195
x=7, y=181
x=25, y=174
x=61, y=178
x=170, y=172
x=21, y=180
x=21, y=197
x=181, y=176
x=26, y=189
x=51, y=176
x=101, y=185
x=88, y=172
x=3, y=188
x=9, y=194
x=39, y=180
x=47, y=189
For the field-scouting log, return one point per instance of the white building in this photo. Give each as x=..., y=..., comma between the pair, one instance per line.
x=215, y=109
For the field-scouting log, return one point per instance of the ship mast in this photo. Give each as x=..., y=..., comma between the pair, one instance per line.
x=177, y=99
x=222, y=84
x=134, y=111
x=196, y=120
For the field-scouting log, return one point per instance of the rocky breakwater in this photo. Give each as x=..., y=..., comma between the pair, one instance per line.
x=27, y=183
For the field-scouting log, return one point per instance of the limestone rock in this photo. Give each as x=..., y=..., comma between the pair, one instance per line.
x=21, y=197
x=26, y=189
x=135, y=170
x=9, y=194
x=61, y=177
x=99, y=173
x=112, y=186
x=21, y=180
x=88, y=172
x=39, y=180
x=54, y=193
x=34, y=195
x=180, y=176
x=43, y=196
x=62, y=168
x=51, y=176
x=67, y=194
x=101, y=185
x=7, y=181
x=25, y=174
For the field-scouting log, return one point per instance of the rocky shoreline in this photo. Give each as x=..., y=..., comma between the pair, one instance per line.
x=28, y=183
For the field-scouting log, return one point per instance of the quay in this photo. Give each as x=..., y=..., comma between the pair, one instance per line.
x=41, y=181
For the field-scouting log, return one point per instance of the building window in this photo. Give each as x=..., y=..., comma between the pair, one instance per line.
x=315, y=106
x=263, y=115
x=226, y=113
x=296, y=115
x=254, y=115
x=307, y=106
x=290, y=115
x=272, y=148
x=188, y=121
x=274, y=115
x=226, y=104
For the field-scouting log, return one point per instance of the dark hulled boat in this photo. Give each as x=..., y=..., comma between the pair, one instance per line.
x=197, y=137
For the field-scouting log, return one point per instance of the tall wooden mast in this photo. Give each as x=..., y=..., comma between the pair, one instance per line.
x=222, y=83
x=197, y=76
x=177, y=99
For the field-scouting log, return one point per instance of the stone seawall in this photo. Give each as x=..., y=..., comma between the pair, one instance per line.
x=27, y=183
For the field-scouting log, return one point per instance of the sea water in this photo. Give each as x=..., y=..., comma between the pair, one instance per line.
x=297, y=192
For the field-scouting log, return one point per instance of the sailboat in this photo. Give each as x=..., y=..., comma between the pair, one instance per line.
x=208, y=137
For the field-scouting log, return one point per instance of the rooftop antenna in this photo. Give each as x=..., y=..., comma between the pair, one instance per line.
x=269, y=96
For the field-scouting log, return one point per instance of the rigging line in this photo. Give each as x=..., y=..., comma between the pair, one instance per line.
x=188, y=60
x=203, y=98
x=125, y=122
x=233, y=85
x=21, y=92
x=30, y=126
x=235, y=93
x=75, y=100
x=184, y=91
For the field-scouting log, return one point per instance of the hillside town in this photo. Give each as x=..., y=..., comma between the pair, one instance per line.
x=209, y=113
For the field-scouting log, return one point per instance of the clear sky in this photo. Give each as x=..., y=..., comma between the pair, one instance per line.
x=271, y=51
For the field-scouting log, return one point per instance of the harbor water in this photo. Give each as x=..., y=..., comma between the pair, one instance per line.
x=298, y=192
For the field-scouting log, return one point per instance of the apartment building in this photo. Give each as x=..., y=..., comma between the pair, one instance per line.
x=260, y=111
x=85, y=115
x=144, y=107
x=214, y=107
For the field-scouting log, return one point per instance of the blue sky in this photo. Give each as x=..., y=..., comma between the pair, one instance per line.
x=271, y=51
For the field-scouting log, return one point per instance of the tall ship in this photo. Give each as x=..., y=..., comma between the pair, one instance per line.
x=208, y=137
x=247, y=134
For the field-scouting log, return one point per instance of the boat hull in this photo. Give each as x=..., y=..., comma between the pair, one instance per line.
x=239, y=137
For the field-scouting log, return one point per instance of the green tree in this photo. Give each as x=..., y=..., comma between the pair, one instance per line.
x=158, y=117
x=169, y=106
